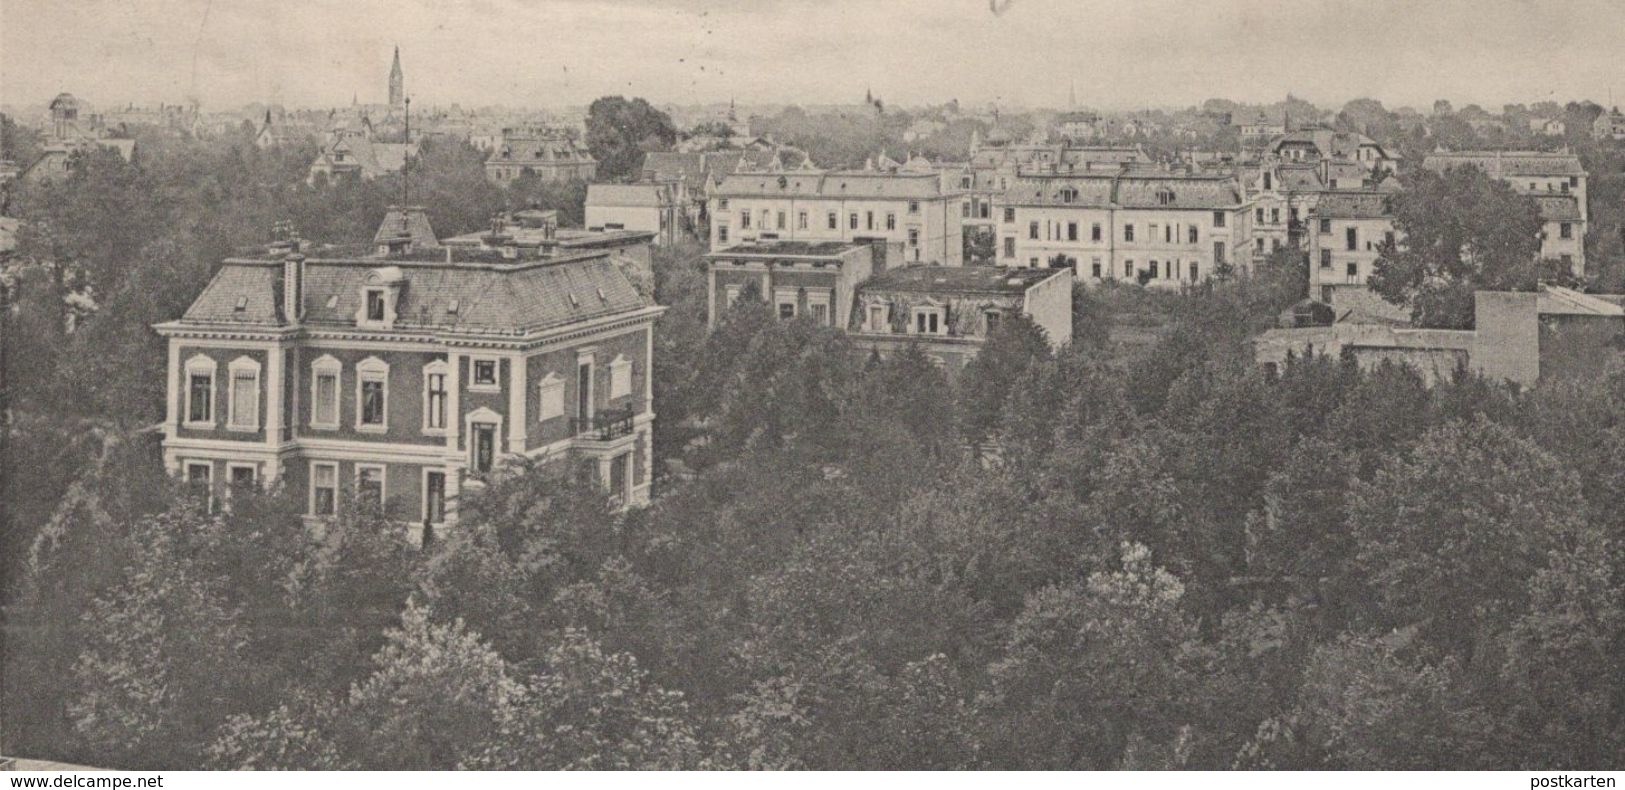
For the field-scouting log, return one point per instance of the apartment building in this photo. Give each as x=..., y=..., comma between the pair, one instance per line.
x=1556, y=181
x=400, y=375
x=551, y=155
x=1163, y=230
x=1346, y=235
x=917, y=209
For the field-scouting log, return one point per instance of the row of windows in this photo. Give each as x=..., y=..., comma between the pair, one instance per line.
x=1128, y=230
x=370, y=486
x=779, y=219
x=371, y=393
x=1170, y=234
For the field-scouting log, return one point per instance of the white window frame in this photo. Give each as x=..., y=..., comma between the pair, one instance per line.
x=620, y=377
x=785, y=296
x=730, y=296
x=928, y=310
x=236, y=366
x=436, y=368
x=883, y=311
x=369, y=370
x=550, y=391
x=326, y=364
x=496, y=374
x=198, y=365
x=310, y=505
x=383, y=480
x=489, y=417
x=423, y=494
x=817, y=297
x=232, y=466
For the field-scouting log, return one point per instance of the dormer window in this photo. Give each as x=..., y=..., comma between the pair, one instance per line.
x=380, y=298
x=929, y=320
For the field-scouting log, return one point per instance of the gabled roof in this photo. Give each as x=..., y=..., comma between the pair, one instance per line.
x=1126, y=190
x=855, y=184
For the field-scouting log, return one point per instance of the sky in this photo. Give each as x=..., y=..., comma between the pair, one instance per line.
x=1120, y=55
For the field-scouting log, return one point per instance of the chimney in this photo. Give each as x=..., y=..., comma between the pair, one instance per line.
x=293, y=287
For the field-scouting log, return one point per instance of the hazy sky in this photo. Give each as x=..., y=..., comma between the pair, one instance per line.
x=553, y=52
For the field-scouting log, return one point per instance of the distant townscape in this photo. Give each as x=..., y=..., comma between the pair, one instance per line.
x=682, y=436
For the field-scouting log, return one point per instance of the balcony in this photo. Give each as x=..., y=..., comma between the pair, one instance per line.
x=606, y=425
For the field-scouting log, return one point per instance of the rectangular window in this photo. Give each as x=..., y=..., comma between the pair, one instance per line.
x=780, y=221
x=245, y=399
x=369, y=485
x=744, y=220
x=1565, y=230
x=820, y=312
x=324, y=489
x=877, y=318
x=1353, y=270
x=1194, y=271
x=891, y=221
x=1094, y=269
x=325, y=410
x=852, y=220
x=240, y=475
x=1094, y=232
x=1009, y=246
x=1009, y=214
x=1071, y=231
x=787, y=310
x=868, y=220
x=1352, y=237
x=913, y=237
x=1218, y=219
x=584, y=390
x=1325, y=259
x=483, y=444
x=435, y=406
x=1325, y=225
x=1128, y=233
x=964, y=210
x=372, y=402
x=1032, y=230
x=914, y=207
x=1258, y=215
x=375, y=305
x=1153, y=270
x=200, y=397
x=722, y=233
x=620, y=378
x=551, y=400
x=1128, y=270
x=1191, y=235
x=927, y=322
x=485, y=373
x=993, y=318
x=722, y=204
x=834, y=221
x=801, y=221
x=434, y=497
x=1275, y=216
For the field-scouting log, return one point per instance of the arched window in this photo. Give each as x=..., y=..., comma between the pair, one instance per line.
x=243, y=399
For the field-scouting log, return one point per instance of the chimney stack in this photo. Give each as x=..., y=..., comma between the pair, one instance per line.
x=293, y=287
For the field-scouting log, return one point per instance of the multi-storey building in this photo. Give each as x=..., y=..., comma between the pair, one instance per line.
x=1319, y=143
x=551, y=155
x=917, y=209
x=1160, y=229
x=1346, y=235
x=949, y=311
x=1557, y=181
x=652, y=207
x=407, y=377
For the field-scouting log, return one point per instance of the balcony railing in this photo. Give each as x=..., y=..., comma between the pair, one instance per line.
x=605, y=425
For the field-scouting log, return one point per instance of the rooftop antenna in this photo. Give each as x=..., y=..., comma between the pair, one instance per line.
x=406, y=158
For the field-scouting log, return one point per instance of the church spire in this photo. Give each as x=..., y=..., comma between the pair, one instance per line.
x=397, y=81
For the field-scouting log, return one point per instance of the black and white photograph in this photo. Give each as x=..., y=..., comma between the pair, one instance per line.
x=812, y=386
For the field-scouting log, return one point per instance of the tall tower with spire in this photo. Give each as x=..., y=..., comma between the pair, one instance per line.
x=397, y=83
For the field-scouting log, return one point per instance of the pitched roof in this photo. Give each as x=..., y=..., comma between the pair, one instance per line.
x=1125, y=190
x=512, y=298
x=1558, y=208
x=411, y=223
x=1001, y=280
x=1354, y=205
x=834, y=184
x=1509, y=164
x=629, y=195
